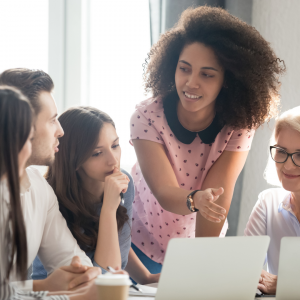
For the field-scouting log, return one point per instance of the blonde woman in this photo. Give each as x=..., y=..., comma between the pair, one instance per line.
x=277, y=211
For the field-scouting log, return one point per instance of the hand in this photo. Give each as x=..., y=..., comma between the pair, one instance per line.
x=153, y=278
x=67, y=277
x=267, y=283
x=113, y=186
x=204, y=201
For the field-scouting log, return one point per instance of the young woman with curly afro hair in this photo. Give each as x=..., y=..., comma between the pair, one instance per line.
x=214, y=80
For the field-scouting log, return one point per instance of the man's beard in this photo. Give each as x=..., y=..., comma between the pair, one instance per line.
x=38, y=159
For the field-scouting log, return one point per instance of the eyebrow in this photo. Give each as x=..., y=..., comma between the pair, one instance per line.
x=297, y=150
x=112, y=142
x=203, y=68
x=54, y=116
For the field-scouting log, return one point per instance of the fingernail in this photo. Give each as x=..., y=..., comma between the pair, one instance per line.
x=218, y=221
x=223, y=211
x=222, y=217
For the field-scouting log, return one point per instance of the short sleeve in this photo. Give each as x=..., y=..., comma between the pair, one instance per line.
x=142, y=127
x=240, y=140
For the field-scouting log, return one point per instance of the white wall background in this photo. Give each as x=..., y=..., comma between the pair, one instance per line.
x=279, y=23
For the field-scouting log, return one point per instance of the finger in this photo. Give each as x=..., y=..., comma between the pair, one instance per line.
x=262, y=288
x=75, y=270
x=76, y=261
x=214, y=214
x=260, y=279
x=217, y=192
x=90, y=274
x=216, y=208
x=209, y=218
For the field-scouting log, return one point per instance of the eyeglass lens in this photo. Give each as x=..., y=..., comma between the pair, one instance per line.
x=280, y=155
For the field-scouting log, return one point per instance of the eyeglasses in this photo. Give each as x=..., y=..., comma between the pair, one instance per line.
x=279, y=155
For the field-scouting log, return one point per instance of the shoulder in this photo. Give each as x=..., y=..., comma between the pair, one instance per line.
x=148, y=107
x=272, y=197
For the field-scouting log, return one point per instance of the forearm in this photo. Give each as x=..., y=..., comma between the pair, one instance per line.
x=136, y=269
x=107, y=251
x=39, y=285
x=172, y=199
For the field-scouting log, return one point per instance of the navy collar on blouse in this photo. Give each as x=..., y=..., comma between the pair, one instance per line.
x=207, y=136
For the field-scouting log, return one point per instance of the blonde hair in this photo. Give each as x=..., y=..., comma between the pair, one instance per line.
x=291, y=119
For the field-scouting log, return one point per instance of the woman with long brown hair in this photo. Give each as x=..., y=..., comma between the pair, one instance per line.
x=88, y=181
x=16, y=134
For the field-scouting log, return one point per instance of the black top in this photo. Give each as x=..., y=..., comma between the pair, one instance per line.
x=208, y=135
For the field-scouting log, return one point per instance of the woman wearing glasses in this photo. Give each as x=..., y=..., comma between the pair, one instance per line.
x=277, y=211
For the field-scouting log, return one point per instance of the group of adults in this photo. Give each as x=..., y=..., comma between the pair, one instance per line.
x=214, y=80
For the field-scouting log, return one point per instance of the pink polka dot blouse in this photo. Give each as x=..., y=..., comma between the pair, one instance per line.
x=152, y=226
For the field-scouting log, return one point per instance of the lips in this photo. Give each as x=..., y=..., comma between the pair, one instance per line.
x=191, y=97
x=109, y=173
x=56, y=148
x=290, y=176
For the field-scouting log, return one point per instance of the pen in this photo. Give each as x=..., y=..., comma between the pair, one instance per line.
x=112, y=270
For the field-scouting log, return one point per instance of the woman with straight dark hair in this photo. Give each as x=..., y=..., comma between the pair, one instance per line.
x=87, y=180
x=16, y=134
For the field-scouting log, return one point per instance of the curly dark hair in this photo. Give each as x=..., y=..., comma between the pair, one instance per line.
x=252, y=70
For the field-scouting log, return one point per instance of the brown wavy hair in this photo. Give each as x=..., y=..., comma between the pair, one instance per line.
x=82, y=126
x=15, y=126
x=251, y=93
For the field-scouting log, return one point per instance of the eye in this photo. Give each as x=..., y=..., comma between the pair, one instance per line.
x=96, y=154
x=297, y=155
x=183, y=69
x=115, y=146
x=280, y=151
x=207, y=75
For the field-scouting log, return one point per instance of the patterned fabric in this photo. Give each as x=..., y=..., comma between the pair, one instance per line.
x=152, y=226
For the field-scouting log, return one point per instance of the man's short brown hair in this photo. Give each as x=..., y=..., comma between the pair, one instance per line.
x=30, y=82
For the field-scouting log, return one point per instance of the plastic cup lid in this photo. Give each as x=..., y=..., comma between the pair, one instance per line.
x=113, y=279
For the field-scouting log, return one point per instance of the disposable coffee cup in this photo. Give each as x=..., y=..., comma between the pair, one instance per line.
x=113, y=286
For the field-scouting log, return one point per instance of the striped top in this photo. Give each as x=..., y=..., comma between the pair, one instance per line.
x=7, y=289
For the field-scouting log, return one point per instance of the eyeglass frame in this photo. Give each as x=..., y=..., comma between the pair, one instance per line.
x=288, y=155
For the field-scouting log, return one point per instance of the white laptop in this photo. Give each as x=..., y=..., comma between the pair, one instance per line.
x=288, y=282
x=212, y=268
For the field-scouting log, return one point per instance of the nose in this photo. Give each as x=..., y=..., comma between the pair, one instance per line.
x=59, y=131
x=193, y=81
x=289, y=165
x=112, y=159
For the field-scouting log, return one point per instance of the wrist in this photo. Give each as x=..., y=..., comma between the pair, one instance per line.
x=108, y=207
x=190, y=201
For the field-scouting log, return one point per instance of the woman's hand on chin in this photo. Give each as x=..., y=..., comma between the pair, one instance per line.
x=115, y=183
